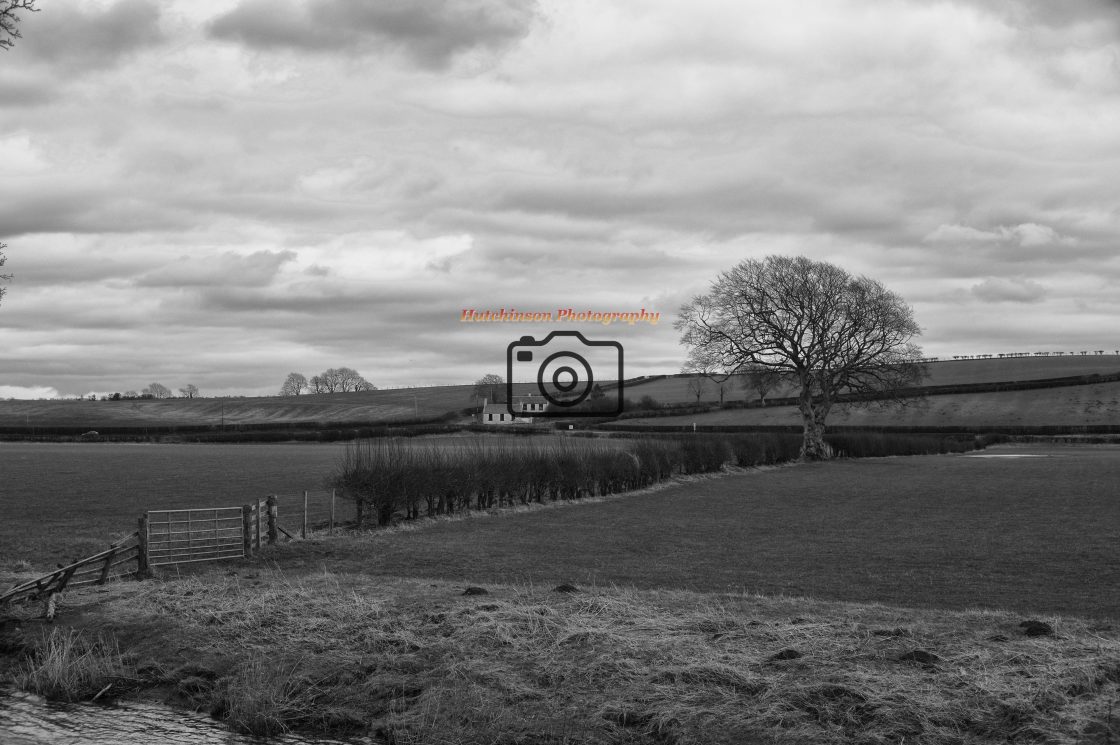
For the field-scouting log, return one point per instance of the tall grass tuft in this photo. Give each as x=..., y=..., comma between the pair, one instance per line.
x=69, y=666
x=264, y=697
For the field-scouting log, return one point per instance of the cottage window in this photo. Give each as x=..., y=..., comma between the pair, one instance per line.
x=489, y=417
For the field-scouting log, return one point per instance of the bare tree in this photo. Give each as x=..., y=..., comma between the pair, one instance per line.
x=3, y=277
x=189, y=391
x=294, y=384
x=9, y=20
x=342, y=380
x=762, y=380
x=834, y=334
x=697, y=384
x=157, y=390
x=490, y=387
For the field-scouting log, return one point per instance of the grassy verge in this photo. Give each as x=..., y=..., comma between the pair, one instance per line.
x=412, y=661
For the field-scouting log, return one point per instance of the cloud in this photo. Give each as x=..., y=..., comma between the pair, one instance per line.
x=257, y=269
x=340, y=198
x=431, y=33
x=1009, y=290
x=27, y=392
x=1027, y=235
x=79, y=37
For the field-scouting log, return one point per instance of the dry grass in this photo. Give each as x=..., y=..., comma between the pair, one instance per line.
x=417, y=662
x=71, y=666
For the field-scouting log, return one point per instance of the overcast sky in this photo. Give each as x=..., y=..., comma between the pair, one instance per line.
x=223, y=193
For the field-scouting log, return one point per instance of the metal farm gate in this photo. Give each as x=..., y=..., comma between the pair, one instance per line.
x=182, y=536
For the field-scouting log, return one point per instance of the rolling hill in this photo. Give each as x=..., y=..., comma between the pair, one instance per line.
x=673, y=389
x=1091, y=403
x=1068, y=406
x=381, y=406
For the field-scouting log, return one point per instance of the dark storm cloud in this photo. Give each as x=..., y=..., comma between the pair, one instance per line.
x=431, y=33
x=80, y=38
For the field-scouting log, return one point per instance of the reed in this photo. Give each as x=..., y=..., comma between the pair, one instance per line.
x=70, y=666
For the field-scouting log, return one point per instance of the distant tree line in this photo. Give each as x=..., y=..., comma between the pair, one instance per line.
x=153, y=391
x=332, y=380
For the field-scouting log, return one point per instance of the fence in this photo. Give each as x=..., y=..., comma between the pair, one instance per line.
x=185, y=536
x=308, y=511
x=92, y=570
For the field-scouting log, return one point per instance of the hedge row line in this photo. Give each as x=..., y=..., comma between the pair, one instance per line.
x=390, y=478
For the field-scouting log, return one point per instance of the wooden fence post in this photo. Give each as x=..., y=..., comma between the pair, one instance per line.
x=142, y=567
x=108, y=563
x=330, y=530
x=260, y=506
x=303, y=529
x=247, y=530
x=273, y=514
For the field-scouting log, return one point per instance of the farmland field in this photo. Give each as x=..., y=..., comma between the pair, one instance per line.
x=704, y=610
x=1032, y=533
x=946, y=372
x=1067, y=406
x=65, y=500
x=944, y=531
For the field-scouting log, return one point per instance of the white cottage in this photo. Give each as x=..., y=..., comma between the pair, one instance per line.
x=524, y=406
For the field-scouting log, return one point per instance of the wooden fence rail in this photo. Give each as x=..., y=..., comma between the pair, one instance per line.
x=167, y=537
x=92, y=570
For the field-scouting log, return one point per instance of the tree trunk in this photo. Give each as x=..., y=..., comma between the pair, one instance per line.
x=813, y=446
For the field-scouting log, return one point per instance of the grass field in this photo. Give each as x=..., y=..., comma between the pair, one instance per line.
x=935, y=531
x=1068, y=406
x=62, y=501
x=864, y=601
x=1025, y=533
